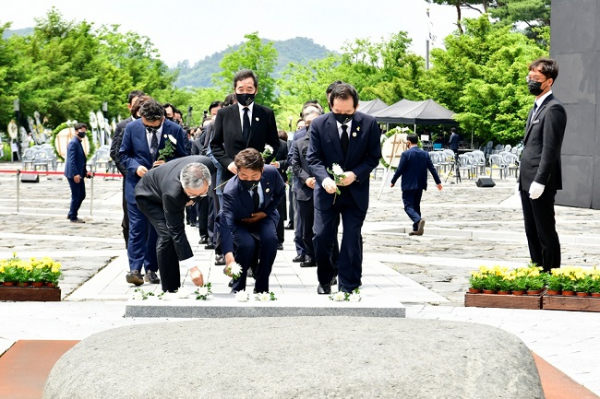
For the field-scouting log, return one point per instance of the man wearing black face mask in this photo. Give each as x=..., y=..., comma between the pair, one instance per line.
x=540, y=168
x=349, y=139
x=75, y=171
x=139, y=152
x=241, y=126
x=249, y=217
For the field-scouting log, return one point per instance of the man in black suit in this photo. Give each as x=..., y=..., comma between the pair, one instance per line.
x=248, y=217
x=162, y=195
x=540, y=168
x=281, y=163
x=241, y=126
x=349, y=139
x=413, y=167
x=115, y=145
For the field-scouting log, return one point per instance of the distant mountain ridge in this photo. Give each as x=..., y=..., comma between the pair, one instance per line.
x=298, y=50
x=22, y=32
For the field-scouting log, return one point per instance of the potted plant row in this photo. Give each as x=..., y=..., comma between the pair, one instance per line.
x=20, y=277
x=574, y=281
x=502, y=281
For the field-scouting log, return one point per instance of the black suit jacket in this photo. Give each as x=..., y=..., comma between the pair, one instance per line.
x=197, y=146
x=540, y=160
x=162, y=186
x=116, y=144
x=301, y=168
x=228, y=140
x=281, y=156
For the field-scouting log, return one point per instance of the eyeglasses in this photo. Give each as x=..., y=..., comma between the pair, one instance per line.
x=529, y=79
x=199, y=196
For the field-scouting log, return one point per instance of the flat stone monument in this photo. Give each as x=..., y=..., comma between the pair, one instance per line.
x=298, y=357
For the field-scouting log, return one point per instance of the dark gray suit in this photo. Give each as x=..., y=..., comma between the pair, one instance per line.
x=540, y=162
x=161, y=198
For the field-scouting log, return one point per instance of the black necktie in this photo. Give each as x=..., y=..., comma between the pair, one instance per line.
x=345, y=139
x=153, y=142
x=535, y=107
x=246, y=126
x=255, y=198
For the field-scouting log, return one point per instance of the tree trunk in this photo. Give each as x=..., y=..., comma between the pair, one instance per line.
x=459, y=17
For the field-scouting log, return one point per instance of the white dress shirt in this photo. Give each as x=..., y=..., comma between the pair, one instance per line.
x=250, y=110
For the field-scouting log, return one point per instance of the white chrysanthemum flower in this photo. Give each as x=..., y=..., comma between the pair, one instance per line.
x=263, y=296
x=203, y=291
x=235, y=269
x=173, y=139
x=354, y=297
x=242, y=296
x=268, y=148
x=138, y=296
x=337, y=169
x=339, y=296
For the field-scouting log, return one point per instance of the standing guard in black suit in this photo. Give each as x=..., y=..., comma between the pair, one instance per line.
x=281, y=163
x=162, y=195
x=540, y=174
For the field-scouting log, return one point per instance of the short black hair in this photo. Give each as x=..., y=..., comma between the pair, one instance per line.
x=547, y=66
x=244, y=74
x=152, y=110
x=229, y=100
x=80, y=125
x=214, y=104
x=331, y=86
x=169, y=105
x=413, y=138
x=453, y=129
x=177, y=111
x=344, y=91
x=133, y=94
x=250, y=159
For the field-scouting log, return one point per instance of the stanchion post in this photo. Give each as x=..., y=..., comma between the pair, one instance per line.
x=18, y=188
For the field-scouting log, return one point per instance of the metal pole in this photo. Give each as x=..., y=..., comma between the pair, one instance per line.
x=18, y=188
x=92, y=197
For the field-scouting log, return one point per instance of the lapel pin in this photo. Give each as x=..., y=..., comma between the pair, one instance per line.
x=354, y=134
x=358, y=128
x=256, y=119
x=267, y=190
x=165, y=136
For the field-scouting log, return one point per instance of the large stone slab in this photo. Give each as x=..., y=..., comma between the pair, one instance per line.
x=287, y=305
x=305, y=357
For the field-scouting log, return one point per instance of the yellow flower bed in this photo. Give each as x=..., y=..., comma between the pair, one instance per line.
x=33, y=270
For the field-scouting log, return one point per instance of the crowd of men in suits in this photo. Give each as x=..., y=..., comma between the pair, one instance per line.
x=218, y=177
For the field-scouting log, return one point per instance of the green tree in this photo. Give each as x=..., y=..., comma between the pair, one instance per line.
x=459, y=5
x=257, y=56
x=535, y=14
x=481, y=76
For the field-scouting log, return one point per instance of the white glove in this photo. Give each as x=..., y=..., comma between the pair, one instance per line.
x=536, y=190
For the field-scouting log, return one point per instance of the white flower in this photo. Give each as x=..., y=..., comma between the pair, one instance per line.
x=355, y=297
x=235, y=270
x=268, y=148
x=182, y=293
x=339, y=296
x=242, y=296
x=263, y=296
x=173, y=139
x=337, y=169
x=138, y=296
x=203, y=291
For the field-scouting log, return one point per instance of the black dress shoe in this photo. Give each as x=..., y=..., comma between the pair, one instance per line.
x=299, y=258
x=210, y=245
x=280, y=247
x=219, y=260
x=324, y=289
x=231, y=285
x=134, y=277
x=334, y=280
x=203, y=240
x=151, y=277
x=289, y=226
x=308, y=262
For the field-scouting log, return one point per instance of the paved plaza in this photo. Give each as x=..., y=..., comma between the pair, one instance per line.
x=466, y=227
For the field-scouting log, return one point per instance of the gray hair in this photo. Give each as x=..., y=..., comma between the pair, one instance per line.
x=194, y=175
x=311, y=110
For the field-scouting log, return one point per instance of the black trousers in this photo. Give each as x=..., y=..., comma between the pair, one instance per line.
x=168, y=261
x=307, y=214
x=540, y=228
x=125, y=221
x=203, y=207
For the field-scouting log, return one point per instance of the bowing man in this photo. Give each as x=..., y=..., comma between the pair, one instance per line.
x=143, y=139
x=249, y=217
x=349, y=139
x=162, y=195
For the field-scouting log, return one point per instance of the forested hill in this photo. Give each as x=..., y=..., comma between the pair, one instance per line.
x=23, y=32
x=298, y=50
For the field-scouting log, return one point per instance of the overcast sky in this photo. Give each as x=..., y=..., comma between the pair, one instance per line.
x=194, y=29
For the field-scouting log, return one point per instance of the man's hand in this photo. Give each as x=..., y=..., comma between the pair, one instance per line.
x=231, y=167
x=349, y=178
x=392, y=185
x=77, y=179
x=229, y=258
x=439, y=186
x=276, y=164
x=310, y=182
x=255, y=217
x=329, y=185
x=141, y=171
x=158, y=163
x=196, y=276
x=536, y=190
